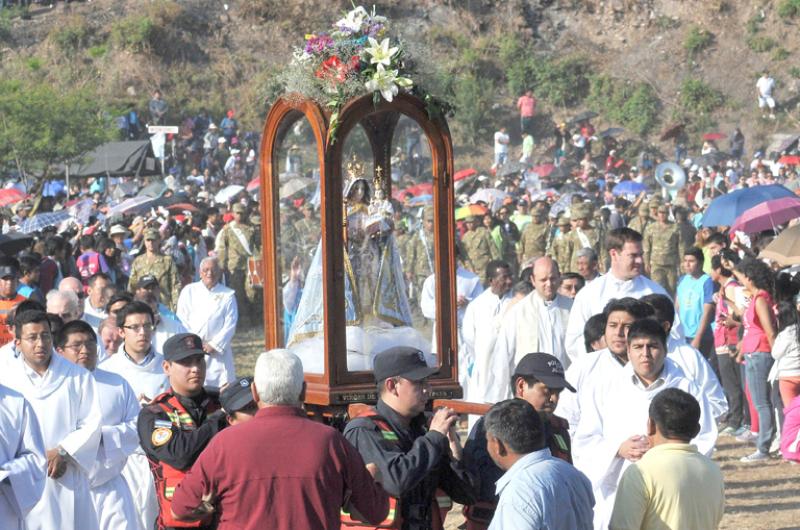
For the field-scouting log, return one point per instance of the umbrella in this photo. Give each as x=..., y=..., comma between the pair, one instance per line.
x=426, y=188
x=491, y=196
x=464, y=173
x=711, y=159
x=787, y=143
x=421, y=200
x=561, y=204
x=784, y=249
x=725, y=209
x=43, y=220
x=544, y=170
x=537, y=195
x=14, y=242
x=629, y=187
x=768, y=215
x=134, y=204
x=227, y=193
x=294, y=186
x=470, y=210
x=254, y=184
x=563, y=171
x=613, y=131
x=10, y=196
x=182, y=207
x=712, y=137
x=154, y=189
x=789, y=160
x=510, y=168
x=672, y=131
x=583, y=116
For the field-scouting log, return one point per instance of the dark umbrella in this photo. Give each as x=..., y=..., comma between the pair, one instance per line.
x=583, y=116
x=563, y=171
x=510, y=168
x=672, y=131
x=787, y=144
x=14, y=242
x=613, y=131
x=154, y=189
x=712, y=159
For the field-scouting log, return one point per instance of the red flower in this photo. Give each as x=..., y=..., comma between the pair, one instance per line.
x=334, y=70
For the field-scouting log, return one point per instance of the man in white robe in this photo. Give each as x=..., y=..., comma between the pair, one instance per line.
x=536, y=324
x=208, y=309
x=141, y=366
x=624, y=278
x=22, y=460
x=64, y=399
x=94, y=306
x=612, y=429
x=482, y=320
x=468, y=287
x=166, y=323
x=110, y=494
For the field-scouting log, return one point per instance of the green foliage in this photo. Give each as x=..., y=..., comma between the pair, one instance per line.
x=753, y=24
x=761, y=43
x=41, y=126
x=697, y=98
x=34, y=63
x=788, y=8
x=635, y=106
x=95, y=52
x=563, y=82
x=663, y=22
x=794, y=71
x=71, y=35
x=133, y=33
x=697, y=40
x=473, y=96
x=780, y=54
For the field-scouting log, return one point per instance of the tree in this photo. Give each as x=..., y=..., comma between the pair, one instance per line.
x=41, y=128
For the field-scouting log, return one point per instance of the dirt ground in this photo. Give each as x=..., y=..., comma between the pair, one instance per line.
x=764, y=496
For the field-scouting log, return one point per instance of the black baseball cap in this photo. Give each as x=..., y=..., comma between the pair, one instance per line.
x=183, y=345
x=402, y=361
x=9, y=266
x=236, y=395
x=545, y=368
x=146, y=281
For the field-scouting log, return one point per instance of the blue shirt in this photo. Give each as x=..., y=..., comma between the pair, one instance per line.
x=540, y=491
x=692, y=294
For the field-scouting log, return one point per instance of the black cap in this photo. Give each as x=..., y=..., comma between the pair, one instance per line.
x=8, y=270
x=402, y=361
x=236, y=395
x=183, y=345
x=545, y=368
x=146, y=281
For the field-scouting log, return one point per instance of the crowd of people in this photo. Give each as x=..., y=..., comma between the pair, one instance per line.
x=611, y=336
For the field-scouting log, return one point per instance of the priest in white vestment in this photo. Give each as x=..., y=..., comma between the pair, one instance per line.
x=624, y=278
x=468, y=287
x=22, y=459
x=208, y=309
x=94, y=305
x=110, y=493
x=612, y=429
x=482, y=320
x=536, y=324
x=64, y=399
x=141, y=366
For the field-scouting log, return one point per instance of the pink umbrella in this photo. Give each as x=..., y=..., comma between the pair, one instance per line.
x=768, y=215
x=10, y=196
x=254, y=184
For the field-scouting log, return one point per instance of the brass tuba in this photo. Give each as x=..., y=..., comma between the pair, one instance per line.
x=671, y=177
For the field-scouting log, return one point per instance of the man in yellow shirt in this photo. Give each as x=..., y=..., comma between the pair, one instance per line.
x=673, y=486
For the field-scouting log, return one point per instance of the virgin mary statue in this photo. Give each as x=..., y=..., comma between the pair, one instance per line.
x=377, y=311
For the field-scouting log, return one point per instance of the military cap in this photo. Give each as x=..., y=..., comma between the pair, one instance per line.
x=148, y=280
x=655, y=201
x=582, y=210
x=239, y=208
x=183, y=345
x=151, y=233
x=563, y=218
x=663, y=208
x=644, y=209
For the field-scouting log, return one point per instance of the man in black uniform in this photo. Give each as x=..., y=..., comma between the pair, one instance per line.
x=538, y=379
x=416, y=453
x=177, y=425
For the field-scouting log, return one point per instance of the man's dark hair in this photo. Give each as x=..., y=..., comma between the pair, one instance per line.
x=94, y=277
x=28, y=264
x=123, y=296
x=529, y=381
x=647, y=328
x=522, y=287
x=56, y=323
x=134, y=308
x=617, y=238
x=716, y=264
x=696, y=253
x=74, y=326
x=636, y=308
x=525, y=274
x=593, y=330
x=53, y=244
x=25, y=305
x=663, y=307
x=574, y=276
x=86, y=242
x=494, y=266
x=29, y=317
x=718, y=238
x=517, y=424
x=676, y=414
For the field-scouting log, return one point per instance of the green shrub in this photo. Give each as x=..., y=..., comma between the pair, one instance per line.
x=95, y=52
x=71, y=35
x=563, y=82
x=753, y=24
x=788, y=8
x=133, y=33
x=697, y=40
x=634, y=106
x=780, y=54
x=473, y=96
x=794, y=71
x=761, y=43
x=34, y=63
x=699, y=98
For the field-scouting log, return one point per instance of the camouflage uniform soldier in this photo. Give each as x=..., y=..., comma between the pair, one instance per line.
x=419, y=250
x=559, y=248
x=156, y=264
x=640, y=222
x=662, y=251
x=686, y=230
x=307, y=230
x=235, y=244
x=290, y=242
x=582, y=235
x=479, y=247
x=533, y=241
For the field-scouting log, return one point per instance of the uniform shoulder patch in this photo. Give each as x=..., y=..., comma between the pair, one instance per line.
x=161, y=436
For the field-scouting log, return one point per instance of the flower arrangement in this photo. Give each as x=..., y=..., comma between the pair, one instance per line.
x=353, y=58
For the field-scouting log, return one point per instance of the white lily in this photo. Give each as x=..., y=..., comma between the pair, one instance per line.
x=353, y=20
x=387, y=82
x=380, y=52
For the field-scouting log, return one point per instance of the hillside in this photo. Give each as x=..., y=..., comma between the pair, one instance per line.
x=641, y=64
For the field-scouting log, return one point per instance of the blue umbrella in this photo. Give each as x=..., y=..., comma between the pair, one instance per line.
x=43, y=220
x=629, y=187
x=725, y=209
x=420, y=200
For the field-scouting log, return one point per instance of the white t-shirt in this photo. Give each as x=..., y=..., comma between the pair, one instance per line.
x=501, y=140
x=765, y=85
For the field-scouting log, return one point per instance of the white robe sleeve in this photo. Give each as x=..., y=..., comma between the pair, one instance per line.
x=184, y=307
x=578, y=315
x=224, y=335
x=82, y=443
x=501, y=364
x=568, y=404
x=23, y=476
x=118, y=441
x=427, y=300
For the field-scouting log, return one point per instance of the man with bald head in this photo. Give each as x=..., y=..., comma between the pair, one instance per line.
x=537, y=323
x=65, y=304
x=72, y=284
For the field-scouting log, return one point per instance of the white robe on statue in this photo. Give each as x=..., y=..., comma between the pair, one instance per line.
x=212, y=315
x=532, y=325
x=23, y=463
x=616, y=410
x=66, y=404
x=110, y=493
x=147, y=380
x=482, y=320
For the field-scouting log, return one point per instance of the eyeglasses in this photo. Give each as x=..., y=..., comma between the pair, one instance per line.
x=138, y=328
x=78, y=346
x=41, y=337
